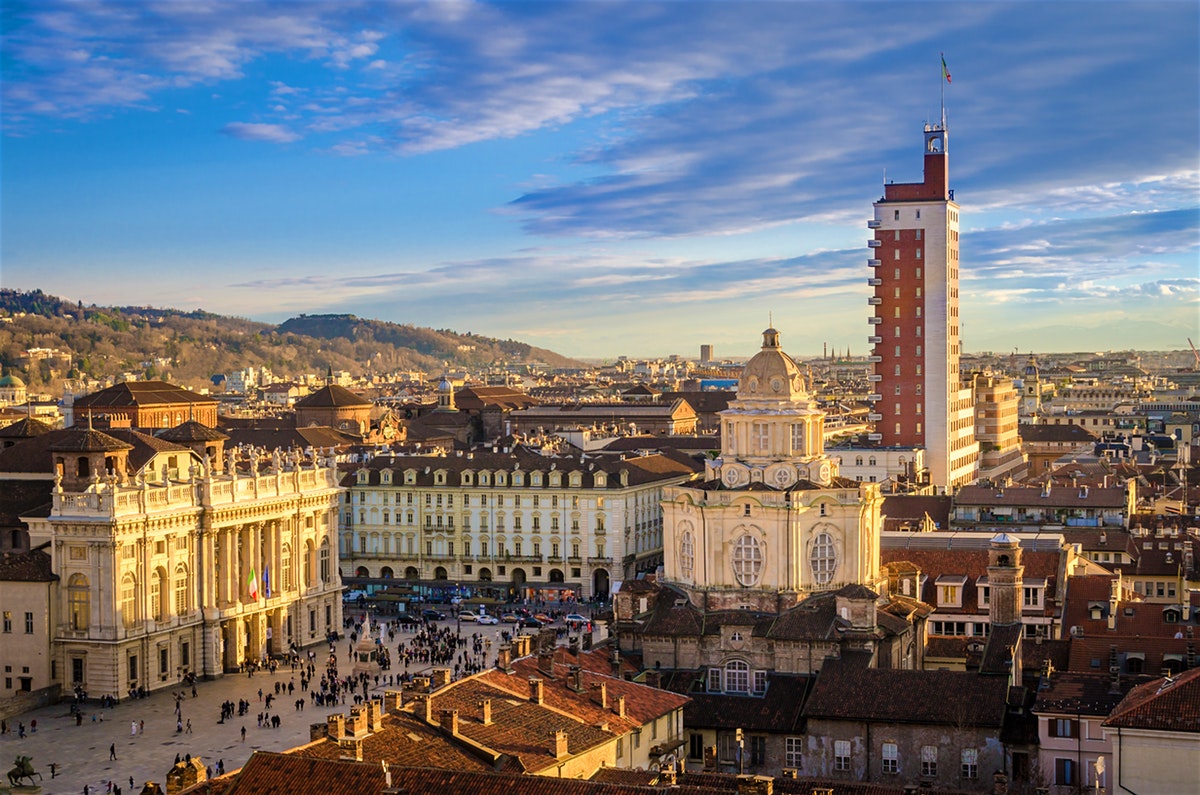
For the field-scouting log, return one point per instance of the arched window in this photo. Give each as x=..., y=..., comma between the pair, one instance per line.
x=182, y=602
x=286, y=575
x=737, y=677
x=747, y=560
x=310, y=564
x=823, y=558
x=325, y=561
x=687, y=555
x=157, y=586
x=79, y=602
x=129, y=600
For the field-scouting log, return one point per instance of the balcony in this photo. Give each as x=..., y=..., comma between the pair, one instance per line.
x=874, y=378
x=874, y=243
x=874, y=397
x=875, y=437
x=874, y=417
x=874, y=321
x=874, y=301
x=599, y=561
x=874, y=340
x=873, y=224
x=874, y=359
x=874, y=282
x=873, y=263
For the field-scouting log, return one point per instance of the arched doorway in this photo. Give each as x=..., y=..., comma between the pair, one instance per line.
x=556, y=575
x=518, y=577
x=439, y=573
x=600, y=584
x=386, y=572
x=361, y=571
x=485, y=575
x=411, y=573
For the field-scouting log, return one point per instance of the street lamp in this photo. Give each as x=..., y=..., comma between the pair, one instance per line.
x=741, y=748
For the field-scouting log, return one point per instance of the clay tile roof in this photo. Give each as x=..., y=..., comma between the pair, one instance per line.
x=332, y=396
x=1162, y=705
x=86, y=440
x=31, y=566
x=846, y=690
x=24, y=428
x=276, y=774
x=1087, y=693
x=777, y=710
x=141, y=393
x=192, y=431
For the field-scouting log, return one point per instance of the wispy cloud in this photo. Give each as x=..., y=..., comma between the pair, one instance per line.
x=260, y=132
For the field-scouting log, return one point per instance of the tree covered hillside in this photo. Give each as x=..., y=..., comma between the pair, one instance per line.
x=190, y=347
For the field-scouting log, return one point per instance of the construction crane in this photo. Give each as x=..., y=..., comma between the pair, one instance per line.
x=1196, y=354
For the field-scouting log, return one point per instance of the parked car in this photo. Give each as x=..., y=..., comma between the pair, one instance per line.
x=545, y=619
x=509, y=618
x=406, y=619
x=429, y=614
x=531, y=623
x=467, y=615
x=355, y=596
x=575, y=618
x=488, y=620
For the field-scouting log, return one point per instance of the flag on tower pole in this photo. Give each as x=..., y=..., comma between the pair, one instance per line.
x=266, y=580
x=945, y=69
x=252, y=585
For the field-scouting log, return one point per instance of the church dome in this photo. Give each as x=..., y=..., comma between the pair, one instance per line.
x=10, y=381
x=771, y=373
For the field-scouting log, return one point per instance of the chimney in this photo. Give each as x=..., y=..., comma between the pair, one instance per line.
x=999, y=784
x=666, y=776
x=620, y=706
x=486, y=707
x=375, y=714
x=791, y=773
x=521, y=645
x=616, y=662
x=439, y=678
x=575, y=678
x=393, y=700
x=587, y=641
x=545, y=663
x=337, y=726
x=427, y=708
x=573, y=645
x=558, y=744
x=653, y=679
x=449, y=721
x=536, y=693
x=755, y=785
x=504, y=659
x=600, y=694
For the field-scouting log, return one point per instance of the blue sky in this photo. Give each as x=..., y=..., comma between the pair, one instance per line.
x=603, y=178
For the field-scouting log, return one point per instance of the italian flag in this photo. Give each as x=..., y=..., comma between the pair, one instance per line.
x=945, y=70
x=252, y=585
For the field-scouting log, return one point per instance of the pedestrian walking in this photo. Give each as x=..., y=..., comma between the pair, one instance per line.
x=243, y=734
x=133, y=729
x=112, y=752
x=188, y=730
x=53, y=769
x=142, y=726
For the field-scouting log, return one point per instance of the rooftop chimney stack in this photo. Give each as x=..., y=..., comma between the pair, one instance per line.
x=536, y=692
x=486, y=707
x=545, y=663
x=337, y=726
x=600, y=694
x=449, y=721
x=559, y=744
x=620, y=706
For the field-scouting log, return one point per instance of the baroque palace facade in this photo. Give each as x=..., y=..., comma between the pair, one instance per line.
x=516, y=523
x=176, y=557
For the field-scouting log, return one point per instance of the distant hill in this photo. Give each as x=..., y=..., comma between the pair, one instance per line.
x=190, y=347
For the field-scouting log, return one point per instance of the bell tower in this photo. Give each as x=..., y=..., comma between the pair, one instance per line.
x=1005, y=580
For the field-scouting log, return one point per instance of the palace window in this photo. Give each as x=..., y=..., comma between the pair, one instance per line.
x=128, y=600
x=182, y=603
x=686, y=555
x=823, y=559
x=747, y=560
x=79, y=602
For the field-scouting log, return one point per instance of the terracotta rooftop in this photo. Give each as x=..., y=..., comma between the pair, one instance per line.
x=31, y=566
x=192, y=431
x=142, y=394
x=1081, y=693
x=1161, y=705
x=332, y=396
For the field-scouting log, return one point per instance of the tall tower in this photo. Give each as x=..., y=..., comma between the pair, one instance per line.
x=919, y=400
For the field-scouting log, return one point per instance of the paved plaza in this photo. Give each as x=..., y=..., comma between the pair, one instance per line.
x=81, y=753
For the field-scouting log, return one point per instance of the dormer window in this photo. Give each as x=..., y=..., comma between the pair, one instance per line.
x=410, y=476
x=439, y=478
x=364, y=476
x=466, y=478
x=535, y=479
x=385, y=477
x=950, y=589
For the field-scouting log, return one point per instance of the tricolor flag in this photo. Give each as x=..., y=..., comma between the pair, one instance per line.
x=267, y=581
x=945, y=69
x=252, y=584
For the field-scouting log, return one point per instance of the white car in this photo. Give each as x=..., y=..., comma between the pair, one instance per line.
x=467, y=615
x=488, y=620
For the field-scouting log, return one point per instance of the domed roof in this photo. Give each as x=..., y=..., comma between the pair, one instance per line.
x=771, y=373
x=11, y=381
x=445, y=386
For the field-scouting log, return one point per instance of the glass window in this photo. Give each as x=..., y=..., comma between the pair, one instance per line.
x=747, y=560
x=841, y=755
x=737, y=677
x=891, y=758
x=970, y=763
x=686, y=555
x=182, y=603
x=929, y=761
x=823, y=558
x=128, y=600
x=793, y=750
x=79, y=602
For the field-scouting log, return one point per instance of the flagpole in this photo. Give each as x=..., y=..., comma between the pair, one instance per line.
x=942, y=85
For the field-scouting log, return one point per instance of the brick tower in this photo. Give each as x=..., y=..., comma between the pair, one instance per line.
x=918, y=398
